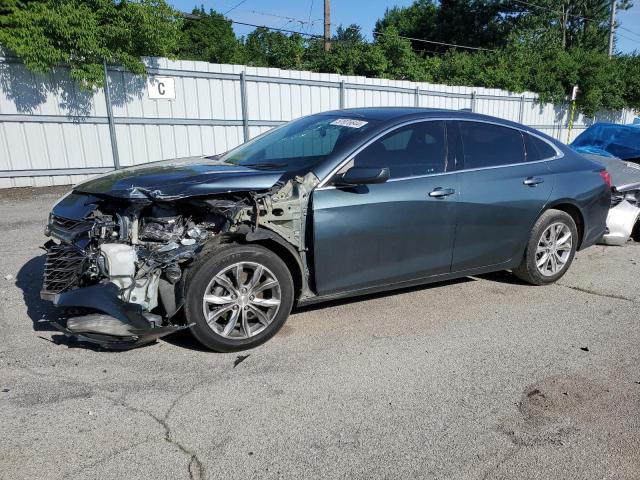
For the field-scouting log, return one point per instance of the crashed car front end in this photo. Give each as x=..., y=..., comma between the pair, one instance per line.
x=126, y=257
x=123, y=258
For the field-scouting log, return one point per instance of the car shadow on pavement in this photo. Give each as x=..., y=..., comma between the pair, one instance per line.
x=29, y=280
x=373, y=296
x=184, y=339
x=503, y=276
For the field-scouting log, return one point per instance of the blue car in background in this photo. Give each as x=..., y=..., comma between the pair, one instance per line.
x=617, y=147
x=332, y=205
x=610, y=140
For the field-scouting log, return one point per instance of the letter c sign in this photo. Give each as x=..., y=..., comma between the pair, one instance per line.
x=161, y=88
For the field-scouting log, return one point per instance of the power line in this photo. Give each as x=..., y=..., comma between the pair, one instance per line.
x=311, y=35
x=309, y=18
x=375, y=33
x=284, y=17
x=193, y=16
x=455, y=45
x=627, y=38
x=620, y=27
x=319, y=37
x=234, y=7
x=541, y=7
x=277, y=29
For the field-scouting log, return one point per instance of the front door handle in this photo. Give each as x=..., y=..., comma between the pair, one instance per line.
x=533, y=181
x=440, y=192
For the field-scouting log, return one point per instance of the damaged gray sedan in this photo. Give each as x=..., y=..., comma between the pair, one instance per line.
x=328, y=206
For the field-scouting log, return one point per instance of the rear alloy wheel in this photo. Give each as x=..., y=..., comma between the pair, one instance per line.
x=554, y=249
x=238, y=297
x=550, y=249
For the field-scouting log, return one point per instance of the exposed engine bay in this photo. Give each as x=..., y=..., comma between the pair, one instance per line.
x=127, y=258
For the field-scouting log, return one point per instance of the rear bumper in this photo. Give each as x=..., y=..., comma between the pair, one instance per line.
x=121, y=326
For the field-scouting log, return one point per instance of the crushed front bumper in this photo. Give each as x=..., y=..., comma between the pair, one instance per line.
x=121, y=326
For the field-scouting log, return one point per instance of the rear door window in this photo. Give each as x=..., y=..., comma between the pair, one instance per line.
x=489, y=145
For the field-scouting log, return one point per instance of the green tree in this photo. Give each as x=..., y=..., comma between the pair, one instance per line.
x=266, y=48
x=209, y=37
x=416, y=20
x=568, y=23
x=480, y=23
x=402, y=62
x=83, y=33
x=492, y=23
x=350, y=54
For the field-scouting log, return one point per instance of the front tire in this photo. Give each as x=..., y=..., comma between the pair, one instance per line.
x=238, y=297
x=550, y=250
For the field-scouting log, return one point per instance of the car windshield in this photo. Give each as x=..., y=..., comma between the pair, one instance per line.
x=622, y=141
x=300, y=144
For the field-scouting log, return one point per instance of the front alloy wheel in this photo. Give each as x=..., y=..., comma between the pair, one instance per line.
x=242, y=300
x=238, y=296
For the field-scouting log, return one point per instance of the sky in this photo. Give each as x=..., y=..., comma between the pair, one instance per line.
x=306, y=15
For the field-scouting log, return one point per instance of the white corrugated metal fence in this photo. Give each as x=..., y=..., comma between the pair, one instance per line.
x=51, y=132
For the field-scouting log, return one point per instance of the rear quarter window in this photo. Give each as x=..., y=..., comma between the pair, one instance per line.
x=489, y=145
x=538, y=149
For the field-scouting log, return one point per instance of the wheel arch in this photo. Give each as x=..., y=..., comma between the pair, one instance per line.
x=271, y=241
x=574, y=211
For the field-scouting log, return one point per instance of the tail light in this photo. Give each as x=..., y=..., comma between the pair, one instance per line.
x=606, y=177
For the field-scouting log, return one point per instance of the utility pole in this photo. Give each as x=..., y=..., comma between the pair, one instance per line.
x=612, y=26
x=327, y=25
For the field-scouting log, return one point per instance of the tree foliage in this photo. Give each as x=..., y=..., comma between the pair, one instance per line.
x=84, y=33
x=494, y=23
x=266, y=48
x=210, y=38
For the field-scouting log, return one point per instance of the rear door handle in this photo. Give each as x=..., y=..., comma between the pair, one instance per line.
x=533, y=181
x=440, y=192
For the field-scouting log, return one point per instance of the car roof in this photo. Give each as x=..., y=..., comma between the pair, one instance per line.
x=393, y=114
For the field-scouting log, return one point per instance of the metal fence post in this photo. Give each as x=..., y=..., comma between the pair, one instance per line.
x=112, y=126
x=243, y=105
x=342, y=92
x=417, y=97
x=473, y=101
x=521, y=113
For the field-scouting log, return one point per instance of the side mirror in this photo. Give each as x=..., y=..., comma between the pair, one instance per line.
x=362, y=176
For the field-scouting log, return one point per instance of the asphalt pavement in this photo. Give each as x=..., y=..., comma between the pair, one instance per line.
x=480, y=378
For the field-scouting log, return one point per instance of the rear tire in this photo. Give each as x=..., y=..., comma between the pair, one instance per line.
x=550, y=250
x=224, y=309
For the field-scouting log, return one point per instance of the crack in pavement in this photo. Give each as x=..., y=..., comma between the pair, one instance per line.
x=596, y=293
x=196, y=469
x=102, y=460
x=507, y=456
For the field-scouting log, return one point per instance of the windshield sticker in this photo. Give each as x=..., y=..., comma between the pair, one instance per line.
x=349, y=122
